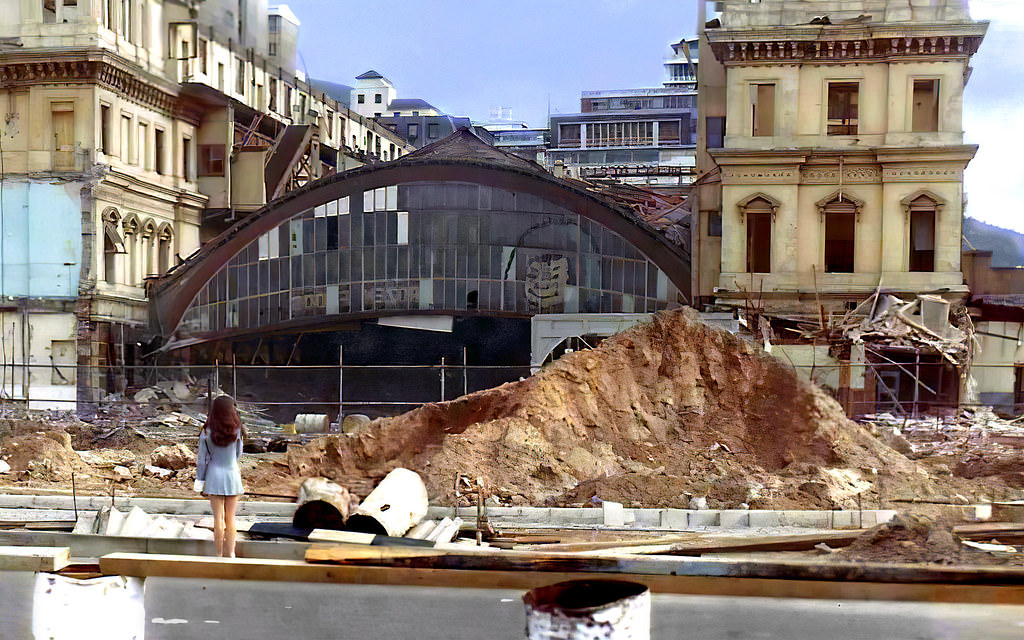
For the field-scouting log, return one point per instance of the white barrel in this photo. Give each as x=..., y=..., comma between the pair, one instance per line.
x=312, y=423
x=589, y=610
x=397, y=504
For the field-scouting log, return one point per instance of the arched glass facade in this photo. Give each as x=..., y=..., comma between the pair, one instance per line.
x=430, y=246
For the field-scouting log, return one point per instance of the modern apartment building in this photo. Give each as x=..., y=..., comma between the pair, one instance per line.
x=132, y=130
x=635, y=136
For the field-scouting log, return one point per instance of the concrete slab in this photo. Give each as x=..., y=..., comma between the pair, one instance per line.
x=733, y=518
x=704, y=518
x=764, y=519
x=675, y=519
x=809, y=519
x=613, y=514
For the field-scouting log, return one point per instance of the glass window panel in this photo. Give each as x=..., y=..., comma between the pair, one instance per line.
x=264, y=246
x=343, y=206
x=402, y=228
x=332, y=267
x=461, y=261
x=320, y=234
x=380, y=236
x=253, y=286
x=296, y=272
x=344, y=260
x=295, y=237
x=460, y=294
x=450, y=296
x=331, y=208
x=450, y=260
x=368, y=265
x=379, y=199
x=392, y=234
x=356, y=293
x=307, y=236
x=380, y=260
x=393, y=270
x=473, y=264
x=391, y=197
x=368, y=201
x=331, y=233
x=320, y=265
x=308, y=270
x=451, y=229
x=320, y=211
x=369, y=223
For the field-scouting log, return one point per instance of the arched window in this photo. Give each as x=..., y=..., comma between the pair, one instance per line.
x=758, y=211
x=131, y=243
x=148, y=238
x=839, y=213
x=165, y=238
x=113, y=246
x=922, y=211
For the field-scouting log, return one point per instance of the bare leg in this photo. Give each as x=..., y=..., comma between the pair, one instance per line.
x=230, y=503
x=217, y=503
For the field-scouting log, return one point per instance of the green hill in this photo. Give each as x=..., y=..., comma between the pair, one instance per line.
x=1007, y=246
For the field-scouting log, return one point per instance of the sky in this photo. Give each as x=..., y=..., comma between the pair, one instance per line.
x=536, y=56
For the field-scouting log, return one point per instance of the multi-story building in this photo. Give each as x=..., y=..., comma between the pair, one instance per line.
x=635, y=136
x=516, y=136
x=831, y=153
x=130, y=128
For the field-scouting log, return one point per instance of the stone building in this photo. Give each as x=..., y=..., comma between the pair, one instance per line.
x=831, y=154
x=132, y=129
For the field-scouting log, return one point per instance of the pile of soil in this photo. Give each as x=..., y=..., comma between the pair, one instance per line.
x=667, y=411
x=915, y=539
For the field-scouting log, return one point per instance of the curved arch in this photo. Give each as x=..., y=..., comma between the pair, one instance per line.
x=172, y=294
x=131, y=224
x=148, y=228
x=839, y=196
x=165, y=231
x=111, y=215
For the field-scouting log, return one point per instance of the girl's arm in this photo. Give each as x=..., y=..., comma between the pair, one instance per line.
x=202, y=458
x=238, y=447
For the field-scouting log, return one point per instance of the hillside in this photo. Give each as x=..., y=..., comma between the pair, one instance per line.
x=1007, y=246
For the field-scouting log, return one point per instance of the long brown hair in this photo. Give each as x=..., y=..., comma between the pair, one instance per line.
x=223, y=423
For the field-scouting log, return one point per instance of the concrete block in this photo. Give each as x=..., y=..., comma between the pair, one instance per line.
x=675, y=519
x=115, y=520
x=649, y=518
x=765, y=519
x=613, y=514
x=704, y=518
x=573, y=515
x=733, y=518
x=977, y=512
x=844, y=519
x=809, y=519
x=135, y=524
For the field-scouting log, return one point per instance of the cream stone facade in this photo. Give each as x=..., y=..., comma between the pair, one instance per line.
x=841, y=164
x=133, y=130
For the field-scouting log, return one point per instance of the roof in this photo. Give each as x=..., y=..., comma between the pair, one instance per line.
x=340, y=92
x=370, y=75
x=404, y=104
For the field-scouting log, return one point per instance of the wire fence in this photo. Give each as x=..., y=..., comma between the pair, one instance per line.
x=283, y=391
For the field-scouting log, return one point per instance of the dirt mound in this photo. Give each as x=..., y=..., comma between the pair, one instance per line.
x=915, y=539
x=45, y=456
x=665, y=411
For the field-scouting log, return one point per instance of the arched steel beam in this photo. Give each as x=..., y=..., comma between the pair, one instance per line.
x=171, y=294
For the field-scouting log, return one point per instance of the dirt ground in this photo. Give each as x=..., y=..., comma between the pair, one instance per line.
x=672, y=413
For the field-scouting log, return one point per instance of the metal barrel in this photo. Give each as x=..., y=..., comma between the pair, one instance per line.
x=589, y=610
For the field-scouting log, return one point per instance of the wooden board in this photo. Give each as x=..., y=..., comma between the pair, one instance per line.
x=143, y=565
x=697, y=543
x=46, y=559
x=353, y=537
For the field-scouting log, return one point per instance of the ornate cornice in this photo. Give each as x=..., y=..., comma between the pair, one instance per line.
x=94, y=66
x=844, y=50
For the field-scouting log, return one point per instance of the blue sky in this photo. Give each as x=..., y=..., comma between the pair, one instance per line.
x=466, y=56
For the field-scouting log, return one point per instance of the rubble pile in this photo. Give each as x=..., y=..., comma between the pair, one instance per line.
x=670, y=412
x=972, y=444
x=915, y=539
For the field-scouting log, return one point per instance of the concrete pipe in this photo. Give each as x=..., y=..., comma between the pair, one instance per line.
x=397, y=504
x=322, y=505
x=589, y=610
x=312, y=423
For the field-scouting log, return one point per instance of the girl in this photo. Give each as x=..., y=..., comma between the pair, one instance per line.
x=220, y=445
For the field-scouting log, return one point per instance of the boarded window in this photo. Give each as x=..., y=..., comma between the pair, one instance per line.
x=668, y=131
x=843, y=99
x=63, y=120
x=926, y=105
x=211, y=160
x=840, y=230
x=762, y=109
x=922, y=234
x=158, y=151
x=759, y=236
x=569, y=135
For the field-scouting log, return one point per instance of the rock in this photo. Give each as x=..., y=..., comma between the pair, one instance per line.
x=172, y=457
x=145, y=395
x=4, y=467
x=158, y=472
x=122, y=473
x=179, y=391
x=107, y=458
x=699, y=504
x=62, y=438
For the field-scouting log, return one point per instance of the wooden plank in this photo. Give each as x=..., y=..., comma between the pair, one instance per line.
x=149, y=505
x=143, y=565
x=696, y=543
x=91, y=547
x=46, y=559
x=352, y=537
x=488, y=559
